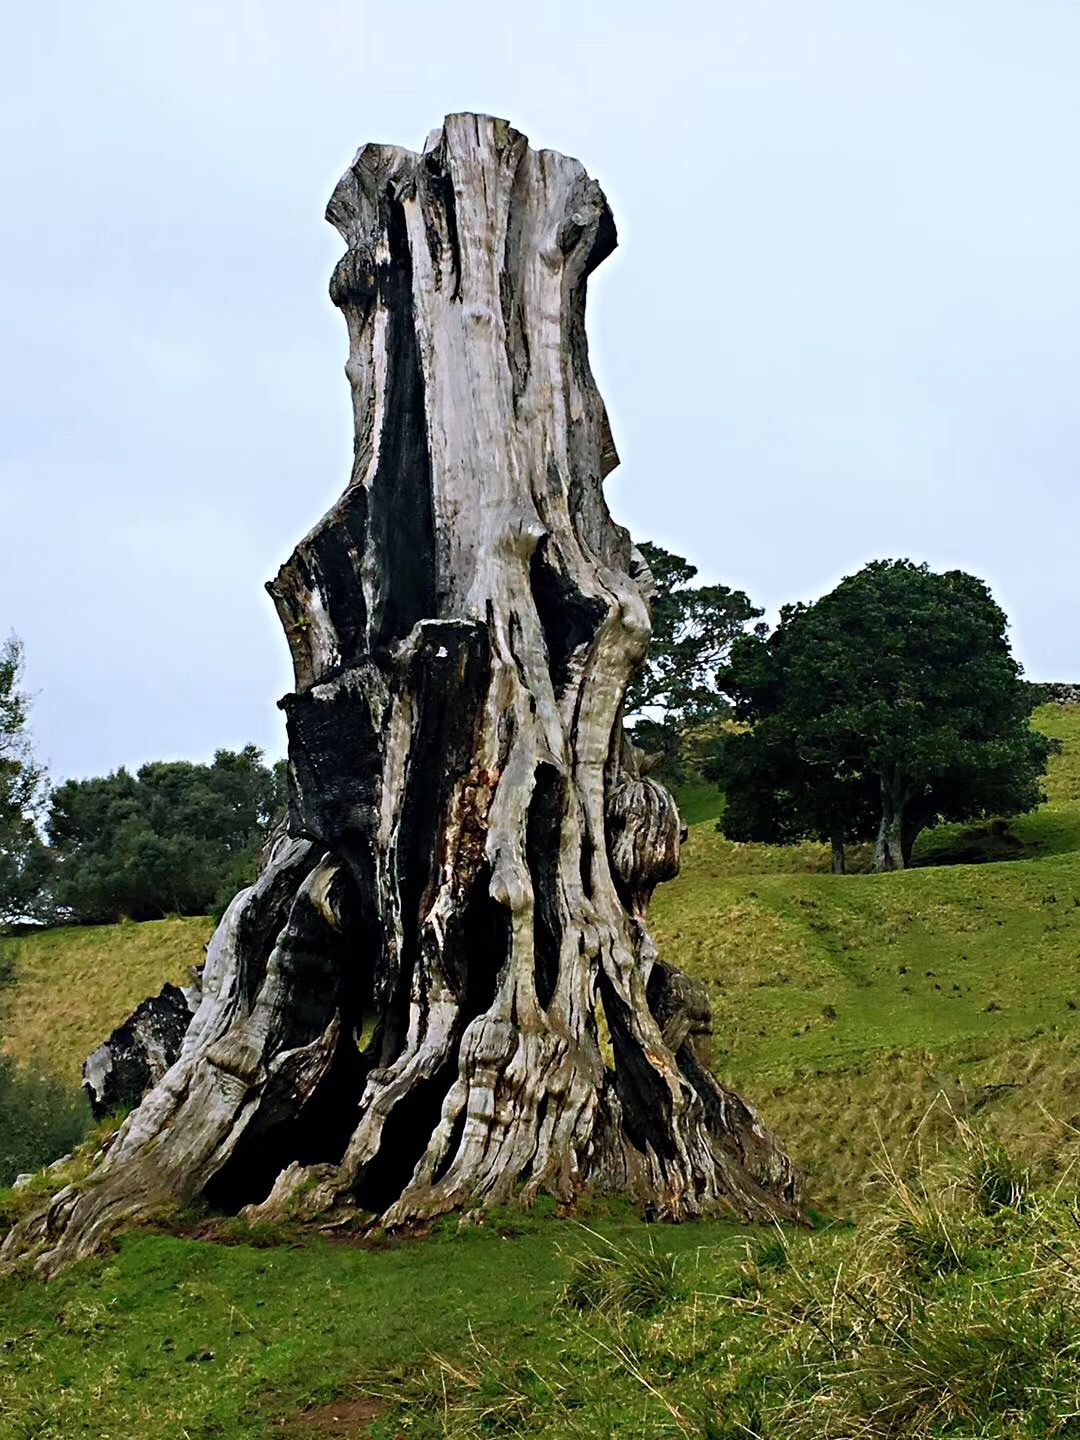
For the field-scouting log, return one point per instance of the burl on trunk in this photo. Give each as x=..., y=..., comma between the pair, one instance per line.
x=441, y=992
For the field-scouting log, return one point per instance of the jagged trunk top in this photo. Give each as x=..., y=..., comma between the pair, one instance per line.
x=441, y=992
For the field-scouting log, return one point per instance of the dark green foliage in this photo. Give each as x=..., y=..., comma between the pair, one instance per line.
x=24, y=860
x=41, y=1118
x=175, y=838
x=774, y=794
x=888, y=705
x=675, y=691
x=693, y=630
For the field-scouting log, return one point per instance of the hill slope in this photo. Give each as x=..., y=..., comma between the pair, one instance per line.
x=73, y=986
x=843, y=1005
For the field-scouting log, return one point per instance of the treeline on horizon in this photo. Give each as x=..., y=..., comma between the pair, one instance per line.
x=889, y=705
x=172, y=838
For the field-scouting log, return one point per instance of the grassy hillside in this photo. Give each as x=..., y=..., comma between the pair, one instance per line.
x=861, y=1012
x=957, y=1314
x=74, y=986
x=846, y=1005
x=857, y=997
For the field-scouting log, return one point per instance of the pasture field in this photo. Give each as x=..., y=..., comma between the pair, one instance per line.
x=915, y=1039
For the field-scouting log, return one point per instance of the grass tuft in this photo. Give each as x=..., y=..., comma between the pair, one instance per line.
x=998, y=1180
x=618, y=1280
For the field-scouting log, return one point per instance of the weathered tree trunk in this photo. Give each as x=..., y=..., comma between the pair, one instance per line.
x=839, y=860
x=139, y=1052
x=405, y=1013
x=889, y=846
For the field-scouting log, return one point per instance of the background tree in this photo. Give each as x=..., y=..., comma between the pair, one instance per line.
x=24, y=860
x=694, y=627
x=175, y=838
x=774, y=797
x=897, y=689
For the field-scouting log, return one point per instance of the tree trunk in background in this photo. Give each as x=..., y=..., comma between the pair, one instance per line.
x=839, y=863
x=889, y=847
x=404, y=1013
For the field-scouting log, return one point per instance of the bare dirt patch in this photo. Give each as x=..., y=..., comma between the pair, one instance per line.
x=344, y=1419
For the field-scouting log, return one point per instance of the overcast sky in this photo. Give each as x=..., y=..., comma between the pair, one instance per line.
x=843, y=322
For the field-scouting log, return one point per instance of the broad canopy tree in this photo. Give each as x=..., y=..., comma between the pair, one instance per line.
x=694, y=627
x=174, y=838
x=889, y=704
x=775, y=793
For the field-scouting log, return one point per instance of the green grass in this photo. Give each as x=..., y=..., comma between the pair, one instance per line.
x=953, y=1309
x=699, y=801
x=73, y=986
x=944, y=1315
x=809, y=970
x=174, y=1337
x=864, y=1014
x=863, y=997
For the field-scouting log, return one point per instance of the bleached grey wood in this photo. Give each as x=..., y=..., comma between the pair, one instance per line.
x=409, y=1013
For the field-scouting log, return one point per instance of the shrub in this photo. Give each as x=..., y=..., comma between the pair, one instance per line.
x=41, y=1118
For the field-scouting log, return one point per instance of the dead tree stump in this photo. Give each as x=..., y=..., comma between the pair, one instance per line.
x=441, y=992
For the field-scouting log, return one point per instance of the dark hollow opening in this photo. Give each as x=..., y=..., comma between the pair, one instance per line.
x=646, y=1101
x=542, y=829
x=568, y=618
x=484, y=942
x=317, y=1134
x=405, y=1137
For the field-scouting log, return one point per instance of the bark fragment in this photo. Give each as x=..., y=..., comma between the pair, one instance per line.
x=137, y=1054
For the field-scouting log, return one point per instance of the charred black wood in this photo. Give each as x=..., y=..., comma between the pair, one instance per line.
x=136, y=1055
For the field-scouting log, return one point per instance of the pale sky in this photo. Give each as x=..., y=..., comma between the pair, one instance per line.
x=843, y=322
